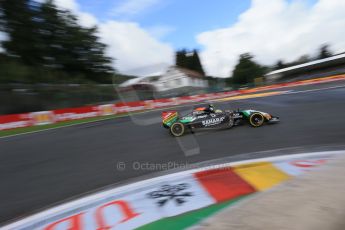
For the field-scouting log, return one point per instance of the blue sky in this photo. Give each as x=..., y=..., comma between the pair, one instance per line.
x=173, y=21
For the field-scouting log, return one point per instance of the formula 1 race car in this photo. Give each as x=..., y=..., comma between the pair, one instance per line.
x=209, y=118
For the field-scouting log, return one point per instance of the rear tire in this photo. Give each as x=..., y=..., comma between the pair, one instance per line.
x=177, y=129
x=256, y=119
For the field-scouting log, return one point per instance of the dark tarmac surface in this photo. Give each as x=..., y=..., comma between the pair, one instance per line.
x=40, y=169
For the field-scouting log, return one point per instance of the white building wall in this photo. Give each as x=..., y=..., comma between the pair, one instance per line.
x=174, y=79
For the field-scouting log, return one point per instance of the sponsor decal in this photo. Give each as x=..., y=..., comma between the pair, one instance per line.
x=42, y=118
x=177, y=196
x=174, y=193
x=168, y=116
x=202, y=116
x=164, y=102
x=106, y=109
x=213, y=121
x=77, y=113
x=189, y=119
x=237, y=115
x=75, y=116
x=297, y=167
x=107, y=216
x=127, y=109
x=149, y=104
x=123, y=207
x=308, y=163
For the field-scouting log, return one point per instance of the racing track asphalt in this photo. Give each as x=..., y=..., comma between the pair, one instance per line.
x=42, y=168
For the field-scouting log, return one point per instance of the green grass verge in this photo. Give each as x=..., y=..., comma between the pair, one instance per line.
x=30, y=129
x=188, y=219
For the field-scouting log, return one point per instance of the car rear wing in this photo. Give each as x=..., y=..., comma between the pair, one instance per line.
x=169, y=117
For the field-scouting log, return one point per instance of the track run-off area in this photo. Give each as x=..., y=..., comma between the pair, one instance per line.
x=40, y=169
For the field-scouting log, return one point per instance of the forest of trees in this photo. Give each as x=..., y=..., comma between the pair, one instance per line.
x=46, y=44
x=247, y=69
x=323, y=52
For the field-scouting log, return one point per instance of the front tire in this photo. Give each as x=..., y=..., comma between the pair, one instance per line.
x=256, y=119
x=177, y=129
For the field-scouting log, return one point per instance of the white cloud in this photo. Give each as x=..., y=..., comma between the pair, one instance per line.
x=3, y=37
x=274, y=29
x=129, y=44
x=132, y=7
x=67, y=4
x=132, y=46
x=85, y=19
x=160, y=31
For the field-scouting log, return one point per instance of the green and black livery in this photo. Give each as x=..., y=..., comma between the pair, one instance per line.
x=200, y=118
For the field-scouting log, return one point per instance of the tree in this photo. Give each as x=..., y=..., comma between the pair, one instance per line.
x=49, y=39
x=181, y=59
x=303, y=59
x=195, y=64
x=324, y=52
x=246, y=70
x=279, y=65
x=18, y=21
x=71, y=47
x=189, y=61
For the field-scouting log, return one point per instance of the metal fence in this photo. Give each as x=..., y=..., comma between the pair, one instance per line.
x=20, y=98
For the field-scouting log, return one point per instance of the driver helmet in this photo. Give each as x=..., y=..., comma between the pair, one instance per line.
x=211, y=107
